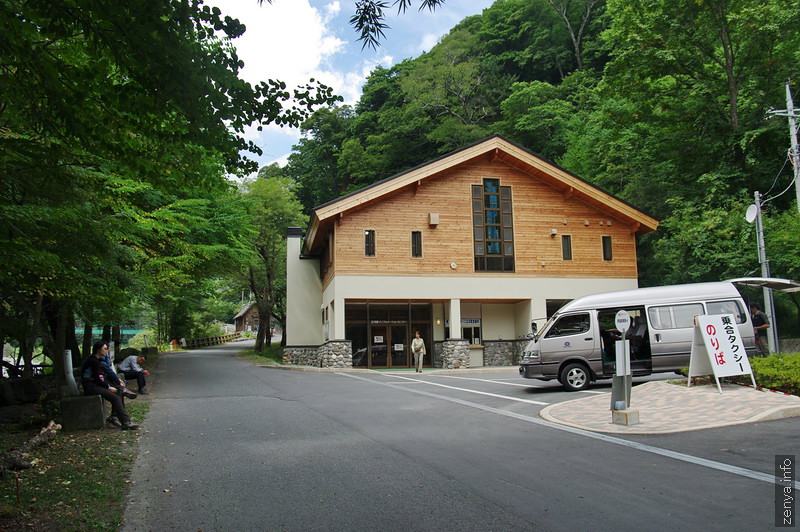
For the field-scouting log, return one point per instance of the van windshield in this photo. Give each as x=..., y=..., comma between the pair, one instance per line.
x=537, y=335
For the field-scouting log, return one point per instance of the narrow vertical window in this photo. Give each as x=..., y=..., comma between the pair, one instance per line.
x=492, y=227
x=416, y=243
x=566, y=247
x=607, y=255
x=369, y=242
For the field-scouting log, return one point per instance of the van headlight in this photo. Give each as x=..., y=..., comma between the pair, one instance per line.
x=530, y=356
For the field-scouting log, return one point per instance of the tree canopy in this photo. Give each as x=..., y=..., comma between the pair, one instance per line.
x=118, y=125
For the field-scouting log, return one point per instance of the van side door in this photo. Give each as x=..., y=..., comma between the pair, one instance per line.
x=570, y=335
x=671, y=334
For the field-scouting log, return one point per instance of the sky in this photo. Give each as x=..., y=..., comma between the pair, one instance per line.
x=296, y=40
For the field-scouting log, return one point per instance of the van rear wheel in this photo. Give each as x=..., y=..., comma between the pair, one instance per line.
x=575, y=377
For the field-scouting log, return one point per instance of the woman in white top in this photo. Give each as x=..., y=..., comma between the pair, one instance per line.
x=418, y=347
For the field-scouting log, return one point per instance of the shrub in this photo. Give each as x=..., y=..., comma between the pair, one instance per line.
x=778, y=372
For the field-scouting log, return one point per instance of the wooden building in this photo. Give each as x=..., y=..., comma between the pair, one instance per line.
x=247, y=318
x=469, y=249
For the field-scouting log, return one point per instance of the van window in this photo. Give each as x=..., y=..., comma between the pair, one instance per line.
x=674, y=316
x=567, y=325
x=727, y=307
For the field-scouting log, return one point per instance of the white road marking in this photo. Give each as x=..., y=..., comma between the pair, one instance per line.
x=735, y=470
x=487, y=380
x=508, y=383
x=506, y=397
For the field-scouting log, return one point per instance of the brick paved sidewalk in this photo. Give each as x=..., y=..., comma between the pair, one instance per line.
x=665, y=407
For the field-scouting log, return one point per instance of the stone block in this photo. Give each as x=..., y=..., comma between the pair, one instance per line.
x=83, y=412
x=625, y=417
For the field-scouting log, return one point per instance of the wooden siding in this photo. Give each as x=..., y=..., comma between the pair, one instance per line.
x=537, y=208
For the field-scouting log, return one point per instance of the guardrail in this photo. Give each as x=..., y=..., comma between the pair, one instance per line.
x=192, y=343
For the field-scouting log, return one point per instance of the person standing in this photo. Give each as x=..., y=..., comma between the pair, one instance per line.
x=760, y=325
x=418, y=347
x=130, y=367
x=94, y=382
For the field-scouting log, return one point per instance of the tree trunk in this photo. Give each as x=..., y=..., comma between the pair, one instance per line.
x=70, y=338
x=59, y=342
x=106, y=333
x=116, y=338
x=87, y=342
x=30, y=341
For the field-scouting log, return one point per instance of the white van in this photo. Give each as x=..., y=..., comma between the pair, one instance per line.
x=577, y=344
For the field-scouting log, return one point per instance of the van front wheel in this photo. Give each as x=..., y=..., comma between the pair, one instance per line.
x=574, y=377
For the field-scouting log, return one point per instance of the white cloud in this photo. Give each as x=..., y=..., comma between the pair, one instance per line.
x=286, y=40
x=332, y=9
x=428, y=41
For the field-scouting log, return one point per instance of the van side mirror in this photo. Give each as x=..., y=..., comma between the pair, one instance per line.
x=534, y=327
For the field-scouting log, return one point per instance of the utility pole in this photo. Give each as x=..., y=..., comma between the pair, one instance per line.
x=794, y=153
x=769, y=305
x=795, y=156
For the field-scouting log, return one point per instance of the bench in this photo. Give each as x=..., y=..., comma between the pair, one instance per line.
x=82, y=412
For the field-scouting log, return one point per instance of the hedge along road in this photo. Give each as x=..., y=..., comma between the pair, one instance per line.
x=230, y=446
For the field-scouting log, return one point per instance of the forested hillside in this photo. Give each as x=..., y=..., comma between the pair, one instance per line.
x=661, y=102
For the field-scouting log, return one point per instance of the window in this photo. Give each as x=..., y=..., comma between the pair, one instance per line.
x=369, y=242
x=569, y=325
x=607, y=255
x=472, y=334
x=727, y=307
x=674, y=316
x=416, y=243
x=492, y=232
x=566, y=247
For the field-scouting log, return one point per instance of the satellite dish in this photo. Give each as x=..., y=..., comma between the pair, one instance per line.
x=750, y=215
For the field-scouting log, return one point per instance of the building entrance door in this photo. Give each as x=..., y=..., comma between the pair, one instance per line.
x=389, y=347
x=399, y=346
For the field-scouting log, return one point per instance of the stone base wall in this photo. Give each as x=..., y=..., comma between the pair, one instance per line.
x=503, y=352
x=301, y=356
x=455, y=354
x=336, y=354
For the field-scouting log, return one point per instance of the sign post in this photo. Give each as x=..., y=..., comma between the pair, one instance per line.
x=621, y=383
x=717, y=349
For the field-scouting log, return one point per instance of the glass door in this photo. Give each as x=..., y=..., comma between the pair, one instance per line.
x=378, y=348
x=399, y=339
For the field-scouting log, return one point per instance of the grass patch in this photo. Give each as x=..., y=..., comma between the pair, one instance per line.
x=273, y=354
x=78, y=481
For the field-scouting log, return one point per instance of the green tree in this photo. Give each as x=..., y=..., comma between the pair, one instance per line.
x=273, y=207
x=118, y=122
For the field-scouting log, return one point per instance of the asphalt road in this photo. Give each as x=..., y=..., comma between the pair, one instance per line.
x=230, y=446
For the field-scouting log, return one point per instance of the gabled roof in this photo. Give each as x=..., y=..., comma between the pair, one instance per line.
x=245, y=309
x=491, y=148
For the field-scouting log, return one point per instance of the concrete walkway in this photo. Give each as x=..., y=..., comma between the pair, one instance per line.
x=666, y=408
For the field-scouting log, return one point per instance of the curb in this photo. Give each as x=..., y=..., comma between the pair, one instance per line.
x=762, y=389
x=773, y=413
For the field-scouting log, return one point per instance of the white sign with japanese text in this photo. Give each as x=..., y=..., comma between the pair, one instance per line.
x=718, y=349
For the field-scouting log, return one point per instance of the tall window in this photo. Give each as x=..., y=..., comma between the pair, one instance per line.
x=566, y=247
x=369, y=242
x=416, y=243
x=492, y=227
x=607, y=255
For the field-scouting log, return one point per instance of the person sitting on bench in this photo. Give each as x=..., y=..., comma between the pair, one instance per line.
x=94, y=383
x=132, y=370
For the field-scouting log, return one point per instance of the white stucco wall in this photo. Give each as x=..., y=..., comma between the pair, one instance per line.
x=304, y=297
